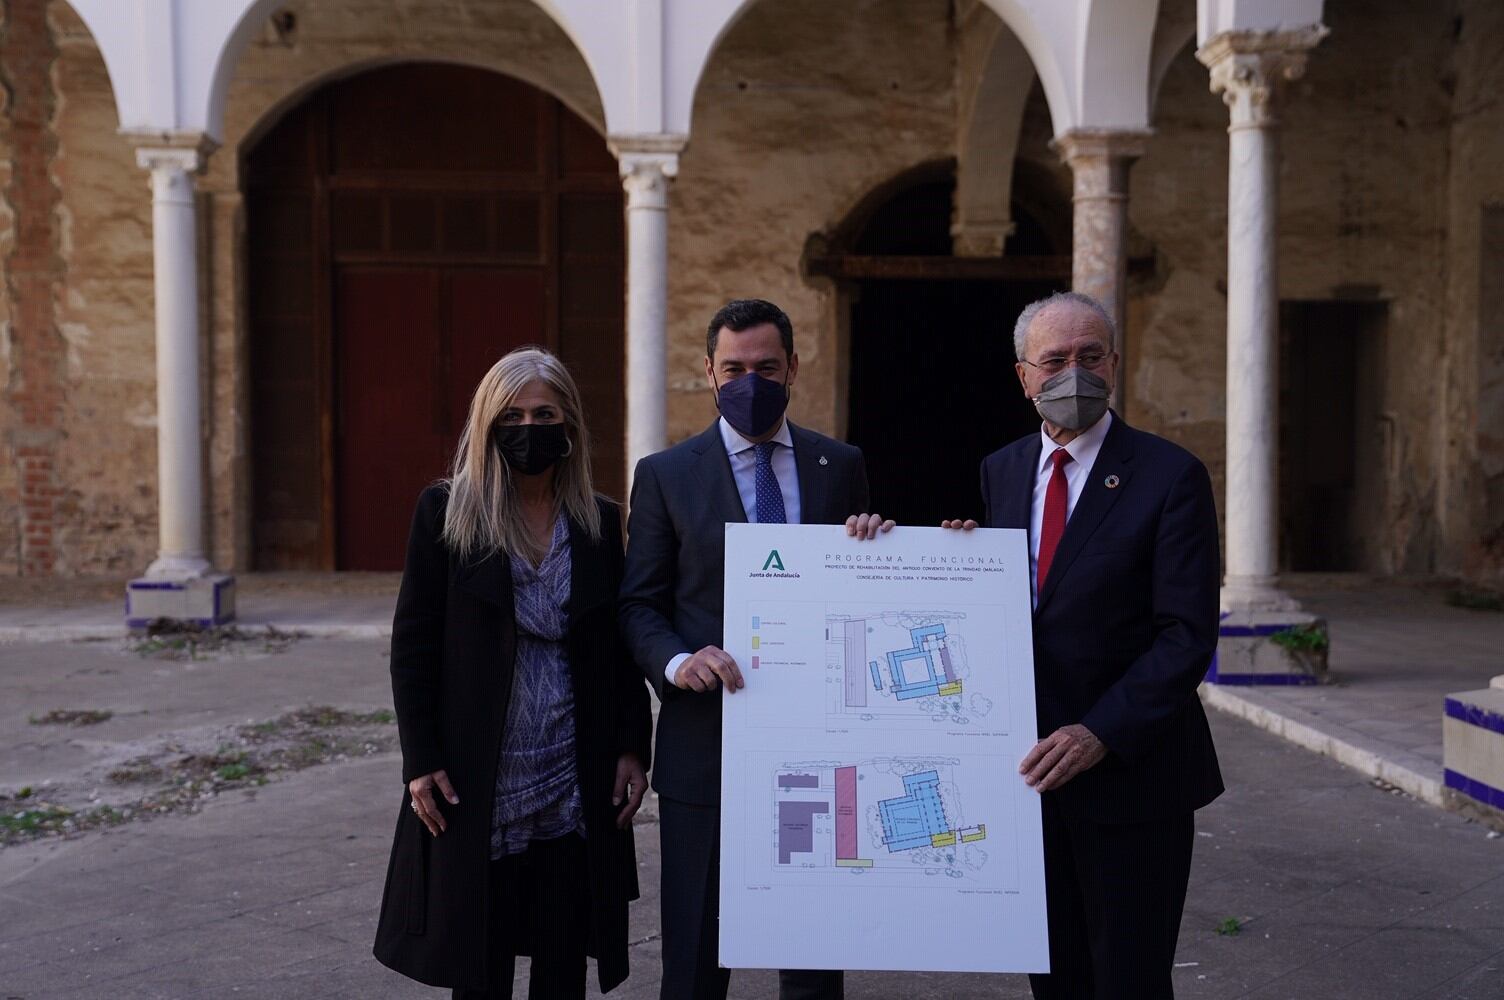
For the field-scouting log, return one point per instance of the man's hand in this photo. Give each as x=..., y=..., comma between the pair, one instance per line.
x=959, y=525
x=421, y=791
x=708, y=669
x=1061, y=756
x=866, y=526
x=631, y=784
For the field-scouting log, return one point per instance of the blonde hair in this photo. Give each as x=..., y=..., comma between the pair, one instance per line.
x=484, y=513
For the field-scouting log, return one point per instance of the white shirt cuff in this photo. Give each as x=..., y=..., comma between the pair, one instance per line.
x=673, y=666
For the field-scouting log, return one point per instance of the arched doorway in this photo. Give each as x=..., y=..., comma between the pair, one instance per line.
x=933, y=389
x=406, y=228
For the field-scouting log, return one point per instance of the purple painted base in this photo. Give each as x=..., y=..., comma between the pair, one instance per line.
x=1474, y=789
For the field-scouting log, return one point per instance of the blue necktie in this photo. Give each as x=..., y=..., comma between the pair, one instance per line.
x=769, y=495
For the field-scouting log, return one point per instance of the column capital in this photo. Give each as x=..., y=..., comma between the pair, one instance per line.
x=1249, y=69
x=1105, y=144
x=186, y=151
x=648, y=163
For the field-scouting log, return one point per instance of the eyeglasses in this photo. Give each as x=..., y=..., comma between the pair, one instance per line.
x=1055, y=365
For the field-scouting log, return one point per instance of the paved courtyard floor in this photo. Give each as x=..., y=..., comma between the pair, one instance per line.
x=260, y=872
x=1341, y=888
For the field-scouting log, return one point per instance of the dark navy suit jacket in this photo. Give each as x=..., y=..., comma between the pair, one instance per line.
x=1126, y=624
x=673, y=591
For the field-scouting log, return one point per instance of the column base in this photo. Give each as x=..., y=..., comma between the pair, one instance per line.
x=1255, y=593
x=1248, y=655
x=1472, y=727
x=205, y=601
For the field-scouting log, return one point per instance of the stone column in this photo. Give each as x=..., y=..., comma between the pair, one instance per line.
x=1099, y=160
x=1248, y=70
x=648, y=164
x=180, y=582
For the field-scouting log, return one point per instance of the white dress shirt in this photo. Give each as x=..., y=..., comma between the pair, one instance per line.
x=1083, y=450
x=743, y=455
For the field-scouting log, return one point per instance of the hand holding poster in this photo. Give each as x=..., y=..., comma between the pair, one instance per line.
x=872, y=813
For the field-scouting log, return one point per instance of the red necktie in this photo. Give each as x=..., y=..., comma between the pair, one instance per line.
x=1055, y=499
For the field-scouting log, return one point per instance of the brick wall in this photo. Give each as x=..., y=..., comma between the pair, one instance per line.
x=34, y=387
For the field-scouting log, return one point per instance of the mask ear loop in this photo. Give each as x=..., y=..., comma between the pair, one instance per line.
x=570, y=450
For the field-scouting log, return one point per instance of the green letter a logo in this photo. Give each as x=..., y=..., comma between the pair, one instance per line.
x=774, y=561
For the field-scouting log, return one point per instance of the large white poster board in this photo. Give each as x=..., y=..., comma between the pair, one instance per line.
x=872, y=814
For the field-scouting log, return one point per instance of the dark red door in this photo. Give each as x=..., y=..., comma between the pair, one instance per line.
x=411, y=346
x=406, y=228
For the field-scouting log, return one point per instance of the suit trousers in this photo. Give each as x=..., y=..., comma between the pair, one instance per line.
x=690, y=902
x=1115, y=894
x=541, y=902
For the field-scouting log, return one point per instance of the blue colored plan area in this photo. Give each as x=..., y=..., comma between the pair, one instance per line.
x=918, y=818
x=914, y=670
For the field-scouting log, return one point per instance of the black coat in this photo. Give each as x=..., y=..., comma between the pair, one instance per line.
x=453, y=652
x=1126, y=623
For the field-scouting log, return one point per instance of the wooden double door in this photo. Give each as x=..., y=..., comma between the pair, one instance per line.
x=407, y=227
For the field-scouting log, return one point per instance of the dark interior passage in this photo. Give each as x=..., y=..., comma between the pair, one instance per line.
x=1332, y=434
x=933, y=388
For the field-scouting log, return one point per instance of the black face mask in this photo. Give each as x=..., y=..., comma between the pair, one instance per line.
x=531, y=449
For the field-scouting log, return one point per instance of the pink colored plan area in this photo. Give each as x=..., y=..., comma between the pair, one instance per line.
x=846, y=813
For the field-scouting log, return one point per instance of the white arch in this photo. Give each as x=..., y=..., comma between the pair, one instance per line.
x=171, y=61
x=1117, y=40
x=996, y=76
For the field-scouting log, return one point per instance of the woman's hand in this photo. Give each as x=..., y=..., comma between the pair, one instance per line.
x=631, y=784
x=421, y=792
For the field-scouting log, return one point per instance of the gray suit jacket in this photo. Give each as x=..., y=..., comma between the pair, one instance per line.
x=672, y=590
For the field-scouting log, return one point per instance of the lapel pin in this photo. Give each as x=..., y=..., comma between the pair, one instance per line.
x=1112, y=482
x=824, y=460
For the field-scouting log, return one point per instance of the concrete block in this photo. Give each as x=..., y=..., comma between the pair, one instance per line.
x=206, y=601
x=1248, y=655
x=1472, y=727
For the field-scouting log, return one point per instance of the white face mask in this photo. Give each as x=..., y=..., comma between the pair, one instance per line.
x=1075, y=399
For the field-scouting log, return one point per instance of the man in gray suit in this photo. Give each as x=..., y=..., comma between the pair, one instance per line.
x=751, y=465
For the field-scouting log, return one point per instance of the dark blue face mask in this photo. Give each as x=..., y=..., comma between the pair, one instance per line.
x=751, y=404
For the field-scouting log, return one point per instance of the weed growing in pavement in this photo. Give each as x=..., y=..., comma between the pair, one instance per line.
x=135, y=772
x=171, y=780
x=1230, y=927
x=1302, y=639
x=1476, y=599
x=168, y=639
x=72, y=717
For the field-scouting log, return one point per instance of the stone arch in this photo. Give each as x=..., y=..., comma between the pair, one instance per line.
x=994, y=78
x=1042, y=35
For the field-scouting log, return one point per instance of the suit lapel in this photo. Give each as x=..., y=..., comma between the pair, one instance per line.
x=713, y=471
x=814, y=479
x=1096, y=501
x=1017, y=499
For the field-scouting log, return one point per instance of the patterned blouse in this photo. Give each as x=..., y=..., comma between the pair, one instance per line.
x=537, y=788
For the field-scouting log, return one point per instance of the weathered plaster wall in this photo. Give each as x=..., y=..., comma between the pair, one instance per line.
x=1393, y=144
x=73, y=467
x=1362, y=215
x=803, y=108
x=1468, y=377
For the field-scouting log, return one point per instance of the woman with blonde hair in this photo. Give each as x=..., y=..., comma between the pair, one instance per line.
x=524, y=725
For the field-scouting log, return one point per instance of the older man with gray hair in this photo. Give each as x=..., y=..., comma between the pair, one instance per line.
x=1125, y=566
